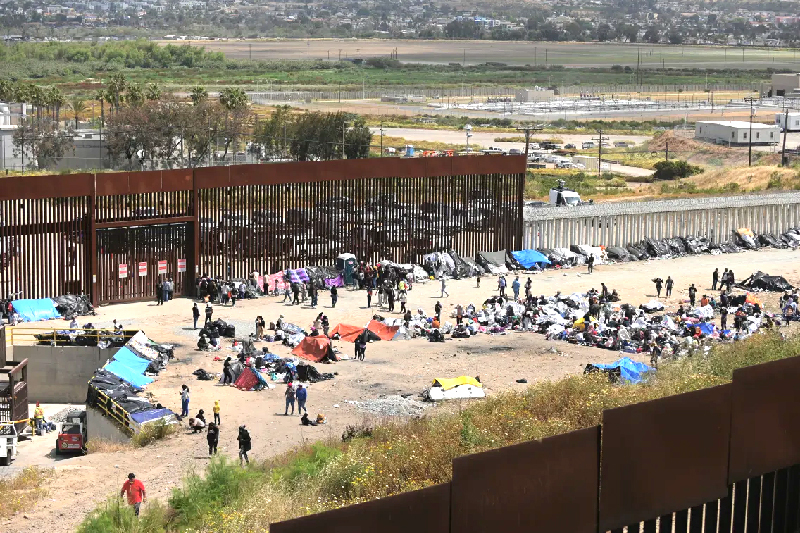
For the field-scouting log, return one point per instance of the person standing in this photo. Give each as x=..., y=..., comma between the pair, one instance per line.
x=528, y=285
x=165, y=287
x=217, y=419
x=501, y=284
x=669, y=285
x=244, y=444
x=227, y=373
x=135, y=491
x=731, y=280
x=478, y=279
x=212, y=436
x=289, y=394
x=390, y=298
x=403, y=297
x=459, y=314
x=301, y=395
x=334, y=296
x=325, y=324
x=260, y=324
x=723, y=318
x=234, y=294
x=170, y=289
x=658, y=282
x=692, y=294
x=590, y=263
x=714, y=279
x=184, y=401
x=160, y=292
x=444, y=287
x=515, y=286
x=195, y=314
x=369, y=296
x=438, y=310
x=209, y=312
x=296, y=293
x=312, y=291
x=38, y=418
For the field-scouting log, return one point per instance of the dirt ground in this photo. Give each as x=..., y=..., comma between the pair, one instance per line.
x=80, y=483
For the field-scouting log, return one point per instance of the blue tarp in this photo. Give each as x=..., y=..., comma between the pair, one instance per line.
x=706, y=328
x=152, y=414
x=630, y=370
x=127, y=357
x=35, y=310
x=530, y=258
x=137, y=379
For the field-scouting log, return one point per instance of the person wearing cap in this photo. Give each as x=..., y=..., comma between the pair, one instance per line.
x=135, y=491
x=244, y=444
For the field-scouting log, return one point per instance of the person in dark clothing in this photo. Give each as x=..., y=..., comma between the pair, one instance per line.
x=244, y=444
x=478, y=278
x=334, y=296
x=296, y=294
x=438, y=310
x=692, y=294
x=301, y=394
x=160, y=292
x=361, y=346
x=314, y=294
x=731, y=280
x=195, y=315
x=390, y=298
x=669, y=285
x=603, y=291
x=325, y=324
x=227, y=372
x=199, y=421
x=590, y=263
x=658, y=282
x=306, y=421
x=723, y=299
x=723, y=318
x=714, y=279
x=209, y=312
x=369, y=295
x=212, y=436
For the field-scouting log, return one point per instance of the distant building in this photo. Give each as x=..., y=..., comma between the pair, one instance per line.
x=737, y=132
x=534, y=95
x=786, y=84
x=790, y=122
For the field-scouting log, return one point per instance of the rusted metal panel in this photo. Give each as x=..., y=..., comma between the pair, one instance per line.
x=212, y=177
x=421, y=511
x=541, y=486
x=664, y=455
x=38, y=187
x=112, y=183
x=765, y=434
x=177, y=180
x=144, y=182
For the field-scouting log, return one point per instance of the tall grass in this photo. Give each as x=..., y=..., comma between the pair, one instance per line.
x=400, y=457
x=22, y=491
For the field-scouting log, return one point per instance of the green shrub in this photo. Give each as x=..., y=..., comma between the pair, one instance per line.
x=152, y=432
x=774, y=181
x=672, y=170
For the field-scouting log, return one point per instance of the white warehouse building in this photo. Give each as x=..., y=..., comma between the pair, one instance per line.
x=737, y=132
x=789, y=122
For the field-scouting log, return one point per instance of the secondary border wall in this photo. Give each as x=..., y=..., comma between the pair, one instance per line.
x=620, y=224
x=722, y=459
x=73, y=233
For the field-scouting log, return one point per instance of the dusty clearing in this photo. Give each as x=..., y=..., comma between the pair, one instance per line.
x=81, y=483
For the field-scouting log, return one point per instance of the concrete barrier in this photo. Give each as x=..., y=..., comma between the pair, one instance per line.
x=60, y=374
x=101, y=427
x=623, y=223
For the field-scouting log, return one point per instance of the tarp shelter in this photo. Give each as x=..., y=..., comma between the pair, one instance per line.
x=455, y=388
x=497, y=259
x=128, y=358
x=248, y=380
x=765, y=282
x=386, y=333
x=151, y=414
x=531, y=258
x=338, y=281
x=630, y=370
x=276, y=282
x=314, y=349
x=127, y=374
x=347, y=332
x=449, y=383
x=298, y=275
x=35, y=310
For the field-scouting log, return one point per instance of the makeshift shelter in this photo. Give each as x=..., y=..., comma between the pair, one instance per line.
x=628, y=370
x=276, y=282
x=494, y=262
x=347, y=332
x=386, y=333
x=249, y=379
x=129, y=367
x=746, y=238
x=70, y=306
x=455, y=388
x=315, y=349
x=764, y=282
x=618, y=253
x=531, y=259
x=298, y=275
x=35, y=310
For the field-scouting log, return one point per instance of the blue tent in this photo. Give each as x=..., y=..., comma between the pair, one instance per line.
x=630, y=370
x=531, y=258
x=35, y=310
x=706, y=328
x=137, y=379
x=128, y=358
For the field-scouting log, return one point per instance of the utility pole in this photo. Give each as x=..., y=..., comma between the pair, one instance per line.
x=344, y=131
x=600, y=139
x=784, y=161
x=381, y=139
x=528, y=130
x=750, y=99
x=666, y=151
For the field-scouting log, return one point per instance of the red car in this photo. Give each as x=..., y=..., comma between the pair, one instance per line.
x=72, y=436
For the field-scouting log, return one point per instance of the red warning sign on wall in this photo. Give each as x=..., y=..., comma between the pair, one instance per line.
x=162, y=267
x=123, y=271
x=142, y=270
x=181, y=265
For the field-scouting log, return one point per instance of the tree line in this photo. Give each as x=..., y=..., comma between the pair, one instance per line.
x=143, y=127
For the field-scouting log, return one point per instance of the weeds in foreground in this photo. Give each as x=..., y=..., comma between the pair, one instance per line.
x=22, y=491
x=106, y=446
x=399, y=457
x=152, y=432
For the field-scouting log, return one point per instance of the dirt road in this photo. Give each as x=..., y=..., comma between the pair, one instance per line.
x=81, y=483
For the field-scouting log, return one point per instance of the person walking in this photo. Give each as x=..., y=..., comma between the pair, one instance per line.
x=296, y=293
x=212, y=436
x=714, y=279
x=217, y=419
x=160, y=293
x=289, y=394
x=260, y=325
x=444, y=287
x=669, y=285
x=135, y=492
x=234, y=294
x=209, y=312
x=334, y=296
x=731, y=280
x=438, y=309
x=244, y=444
x=590, y=263
x=515, y=286
x=184, y=401
x=301, y=394
x=361, y=346
x=195, y=315
x=227, y=373
x=658, y=282
x=692, y=294
x=369, y=296
x=403, y=297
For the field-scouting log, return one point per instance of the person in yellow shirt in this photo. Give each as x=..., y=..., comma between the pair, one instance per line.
x=38, y=418
x=216, y=412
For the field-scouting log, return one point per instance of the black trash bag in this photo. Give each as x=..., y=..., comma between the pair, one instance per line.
x=202, y=375
x=764, y=282
x=745, y=241
x=638, y=251
x=619, y=254
x=676, y=246
x=70, y=306
x=614, y=374
x=768, y=239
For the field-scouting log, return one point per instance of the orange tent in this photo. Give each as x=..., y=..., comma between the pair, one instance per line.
x=386, y=333
x=347, y=332
x=314, y=349
x=752, y=299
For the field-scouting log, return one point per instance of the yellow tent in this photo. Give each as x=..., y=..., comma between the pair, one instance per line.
x=746, y=231
x=450, y=383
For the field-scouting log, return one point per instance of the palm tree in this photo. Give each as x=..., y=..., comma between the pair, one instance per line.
x=55, y=101
x=78, y=106
x=198, y=94
x=116, y=87
x=153, y=92
x=102, y=96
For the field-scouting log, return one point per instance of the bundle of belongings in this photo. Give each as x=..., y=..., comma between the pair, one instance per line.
x=454, y=388
x=67, y=307
x=117, y=387
x=624, y=370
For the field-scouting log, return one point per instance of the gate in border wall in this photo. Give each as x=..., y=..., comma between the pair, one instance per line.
x=71, y=234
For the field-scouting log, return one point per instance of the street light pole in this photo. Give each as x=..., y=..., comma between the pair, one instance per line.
x=750, y=135
x=468, y=129
x=528, y=130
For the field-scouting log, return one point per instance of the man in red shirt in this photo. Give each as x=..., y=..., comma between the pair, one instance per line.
x=135, y=490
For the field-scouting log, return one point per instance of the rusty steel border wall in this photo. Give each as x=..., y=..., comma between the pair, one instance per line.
x=625, y=223
x=724, y=459
x=71, y=233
